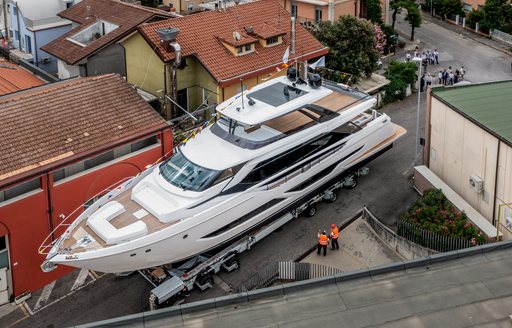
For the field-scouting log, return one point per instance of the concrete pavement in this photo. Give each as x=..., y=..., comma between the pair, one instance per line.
x=360, y=248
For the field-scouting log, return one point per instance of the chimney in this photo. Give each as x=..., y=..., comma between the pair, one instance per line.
x=249, y=29
x=168, y=36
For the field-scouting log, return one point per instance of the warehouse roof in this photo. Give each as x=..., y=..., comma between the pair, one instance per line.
x=485, y=104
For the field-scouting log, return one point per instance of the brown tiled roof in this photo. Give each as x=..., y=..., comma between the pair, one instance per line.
x=14, y=78
x=87, y=12
x=198, y=37
x=56, y=121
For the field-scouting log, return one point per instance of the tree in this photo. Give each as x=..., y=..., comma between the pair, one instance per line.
x=452, y=8
x=475, y=16
x=150, y=3
x=347, y=53
x=497, y=15
x=373, y=11
x=413, y=16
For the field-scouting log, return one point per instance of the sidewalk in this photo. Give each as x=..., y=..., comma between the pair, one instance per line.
x=485, y=40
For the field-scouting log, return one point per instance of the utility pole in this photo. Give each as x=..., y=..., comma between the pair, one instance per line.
x=6, y=31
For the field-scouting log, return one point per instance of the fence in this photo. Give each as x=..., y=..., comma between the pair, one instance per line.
x=401, y=245
x=501, y=36
x=280, y=272
x=430, y=239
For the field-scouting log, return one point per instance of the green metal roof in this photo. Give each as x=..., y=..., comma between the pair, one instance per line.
x=486, y=104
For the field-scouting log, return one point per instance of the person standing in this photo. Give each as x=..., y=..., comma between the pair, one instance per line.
x=462, y=72
x=429, y=80
x=422, y=82
x=436, y=56
x=323, y=241
x=334, y=237
x=450, y=78
x=440, y=77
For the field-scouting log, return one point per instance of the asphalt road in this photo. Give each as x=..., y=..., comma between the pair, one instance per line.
x=386, y=191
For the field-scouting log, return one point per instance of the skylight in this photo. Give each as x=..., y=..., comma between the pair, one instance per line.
x=92, y=33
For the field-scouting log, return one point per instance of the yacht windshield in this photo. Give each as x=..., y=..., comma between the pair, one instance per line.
x=181, y=172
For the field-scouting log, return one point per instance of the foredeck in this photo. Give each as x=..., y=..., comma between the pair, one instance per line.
x=123, y=220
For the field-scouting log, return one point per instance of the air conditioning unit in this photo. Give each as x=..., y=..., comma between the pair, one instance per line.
x=45, y=60
x=476, y=183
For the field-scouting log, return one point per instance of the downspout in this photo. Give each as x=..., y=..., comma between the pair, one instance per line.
x=50, y=205
x=35, y=49
x=165, y=88
x=496, y=185
x=4, y=4
x=18, y=21
x=355, y=8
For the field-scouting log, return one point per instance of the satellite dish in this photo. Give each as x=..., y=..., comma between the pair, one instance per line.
x=237, y=36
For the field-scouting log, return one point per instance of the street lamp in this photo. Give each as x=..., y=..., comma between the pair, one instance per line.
x=418, y=61
x=499, y=216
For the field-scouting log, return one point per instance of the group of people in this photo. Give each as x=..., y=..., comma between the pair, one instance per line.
x=427, y=57
x=450, y=77
x=324, y=239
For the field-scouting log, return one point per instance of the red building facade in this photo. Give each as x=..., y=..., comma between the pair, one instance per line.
x=70, y=158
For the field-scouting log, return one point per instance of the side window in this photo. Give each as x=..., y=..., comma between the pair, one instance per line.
x=4, y=255
x=20, y=189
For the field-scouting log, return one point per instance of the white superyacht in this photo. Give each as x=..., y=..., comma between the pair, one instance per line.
x=269, y=149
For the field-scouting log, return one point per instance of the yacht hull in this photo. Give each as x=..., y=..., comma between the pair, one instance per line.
x=160, y=247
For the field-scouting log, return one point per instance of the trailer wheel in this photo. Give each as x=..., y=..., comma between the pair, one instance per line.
x=352, y=185
x=205, y=280
x=334, y=196
x=311, y=211
x=232, y=262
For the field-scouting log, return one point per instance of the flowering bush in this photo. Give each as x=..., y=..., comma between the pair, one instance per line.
x=433, y=212
x=380, y=39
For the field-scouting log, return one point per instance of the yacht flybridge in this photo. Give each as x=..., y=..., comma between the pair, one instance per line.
x=269, y=149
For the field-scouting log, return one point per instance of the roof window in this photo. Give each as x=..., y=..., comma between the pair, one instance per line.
x=92, y=33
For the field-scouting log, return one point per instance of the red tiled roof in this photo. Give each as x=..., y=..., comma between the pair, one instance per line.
x=266, y=31
x=87, y=12
x=199, y=32
x=244, y=39
x=43, y=125
x=14, y=78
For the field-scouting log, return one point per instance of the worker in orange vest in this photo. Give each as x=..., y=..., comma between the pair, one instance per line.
x=323, y=240
x=334, y=237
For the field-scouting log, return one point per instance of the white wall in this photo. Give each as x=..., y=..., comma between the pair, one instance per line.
x=504, y=188
x=458, y=149
x=66, y=71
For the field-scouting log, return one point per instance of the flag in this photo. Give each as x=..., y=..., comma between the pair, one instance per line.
x=286, y=55
x=318, y=63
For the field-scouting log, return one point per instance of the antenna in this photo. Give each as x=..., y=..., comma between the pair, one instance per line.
x=242, y=88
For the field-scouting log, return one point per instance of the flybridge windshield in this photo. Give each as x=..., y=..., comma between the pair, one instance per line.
x=277, y=94
x=181, y=172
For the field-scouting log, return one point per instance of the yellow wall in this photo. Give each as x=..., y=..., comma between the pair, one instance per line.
x=504, y=189
x=458, y=149
x=144, y=68
x=233, y=89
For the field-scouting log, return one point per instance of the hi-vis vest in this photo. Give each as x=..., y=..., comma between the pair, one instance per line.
x=334, y=233
x=323, y=240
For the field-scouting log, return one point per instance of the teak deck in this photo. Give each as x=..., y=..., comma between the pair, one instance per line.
x=335, y=102
x=121, y=221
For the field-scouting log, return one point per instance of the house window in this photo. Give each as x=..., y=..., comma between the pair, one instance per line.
x=182, y=99
x=15, y=11
x=248, y=47
x=17, y=35
x=467, y=7
x=190, y=7
x=20, y=189
x=11, y=34
x=318, y=14
x=4, y=254
x=103, y=158
x=239, y=50
x=28, y=44
x=272, y=40
x=69, y=4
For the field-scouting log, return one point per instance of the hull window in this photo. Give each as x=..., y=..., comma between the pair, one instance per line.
x=244, y=218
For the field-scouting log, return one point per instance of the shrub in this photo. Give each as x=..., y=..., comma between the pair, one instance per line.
x=433, y=212
x=400, y=74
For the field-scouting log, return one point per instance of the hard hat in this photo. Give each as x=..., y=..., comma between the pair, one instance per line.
x=333, y=226
x=324, y=232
